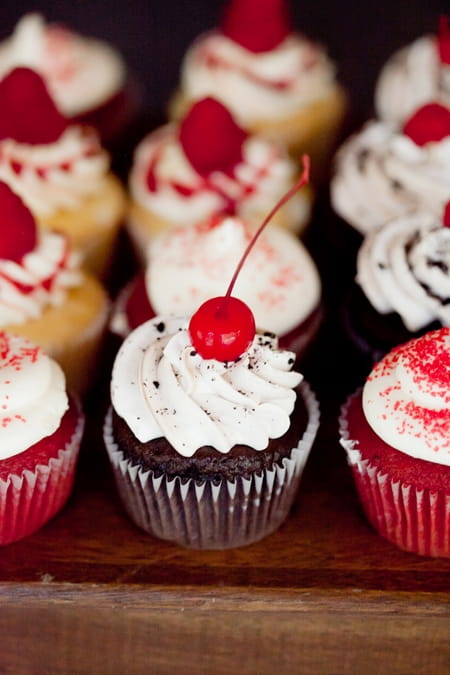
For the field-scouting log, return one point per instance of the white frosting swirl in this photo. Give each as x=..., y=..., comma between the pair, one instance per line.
x=183, y=197
x=404, y=267
x=41, y=279
x=381, y=174
x=412, y=76
x=33, y=397
x=56, y=175
x=271, y=84
x=81, y=73
x=279, y=280
x=406, y=398
x=163, y=388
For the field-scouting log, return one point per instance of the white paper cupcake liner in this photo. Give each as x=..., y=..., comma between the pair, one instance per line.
x=208, y=516
x=31, y=498
x=412, y=518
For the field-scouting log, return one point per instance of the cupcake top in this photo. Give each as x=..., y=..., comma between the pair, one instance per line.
x=279, y=281
x=36, y=267
x=206, y=165
x=416, y=74
x=404, y=267
x=381, y=173
x=53, y=165
x=81, y=73
x=162, y=387
x=32, y=395
x=256, y=64
x=406, y=398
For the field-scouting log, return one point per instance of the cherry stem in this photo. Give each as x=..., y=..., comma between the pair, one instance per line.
x=303, y=180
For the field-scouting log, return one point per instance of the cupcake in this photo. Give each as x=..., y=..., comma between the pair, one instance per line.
x=45, y=296
x=40, y=435
x=403, y=283
x=381, y=173
x=415, y=75
x=87, y=78
x=396, y=433
x=207, y=452
x=187, y=265
x=205, y=165
x=273, y=79
x=59, y=169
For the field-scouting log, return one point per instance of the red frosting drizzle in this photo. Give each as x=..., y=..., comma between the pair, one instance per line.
x=443, y=40
x=211, y=139
x=429, y=124
x=257, y=25
x=29, y=114
x=18, y=227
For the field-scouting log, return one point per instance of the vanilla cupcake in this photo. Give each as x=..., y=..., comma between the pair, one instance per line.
x=207, y=454
x=273, y=79
x=187, y=265
x=60, y=170
x=44, y=295
x=86, y=77
x=381, y=173
x=416, y=74
x=396, y=434
x=40, y=434
x=184, y=173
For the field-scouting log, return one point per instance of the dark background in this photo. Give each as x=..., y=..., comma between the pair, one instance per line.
x=154, y=34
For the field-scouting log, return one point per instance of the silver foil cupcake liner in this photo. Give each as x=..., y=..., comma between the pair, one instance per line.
x=207, y=515
x=411, y=517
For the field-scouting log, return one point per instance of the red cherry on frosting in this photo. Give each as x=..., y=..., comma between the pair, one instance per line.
x=211, y=139
x=28, y=113
x=446, y=216
x=429, y=124
x=257, y=25
x=223, y=328
x=18, y=235
x=443, y=40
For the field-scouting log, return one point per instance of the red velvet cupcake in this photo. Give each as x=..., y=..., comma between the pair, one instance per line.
x=40, y=435
x=396, y=432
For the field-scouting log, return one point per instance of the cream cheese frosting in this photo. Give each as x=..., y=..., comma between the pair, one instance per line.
x=42, y=278
x=279, y=281
x=270, y=84
x=404, y=267
x=57, y=175
x=163, y=181
x=82, y=73
x=163, y=388
x=33, y=397
x=411, y=77
x=406, y=398
x=381, y=174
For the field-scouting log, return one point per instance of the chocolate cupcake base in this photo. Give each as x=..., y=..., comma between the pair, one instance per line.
x=213, y=514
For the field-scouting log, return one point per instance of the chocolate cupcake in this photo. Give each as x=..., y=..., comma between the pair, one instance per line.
x=207, y=453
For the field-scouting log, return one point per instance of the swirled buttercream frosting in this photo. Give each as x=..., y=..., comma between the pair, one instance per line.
x=58, y=175
x=254, y=85
x=381, y=174
x=33, y=398
x=163, y=388
x=406, y=398
x=81, y=72
x=163, y=181
x=404, y=267
x=279, y=281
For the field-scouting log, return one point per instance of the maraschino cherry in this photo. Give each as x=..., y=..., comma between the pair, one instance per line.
x=446, y=216
x=223, y=328
x=443, y=39
x=29, y=114
x=210, y=138
x=19, y=227
x=257, y=25
x=429, y=124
